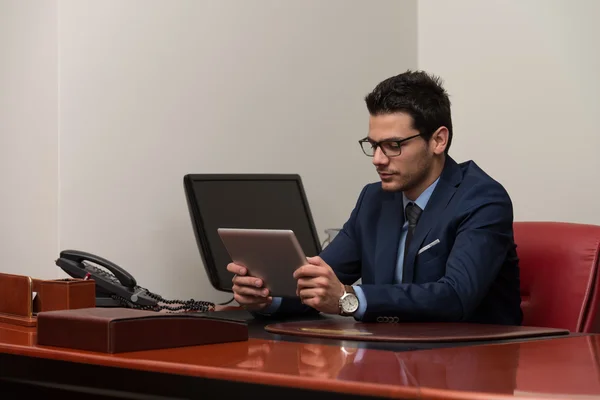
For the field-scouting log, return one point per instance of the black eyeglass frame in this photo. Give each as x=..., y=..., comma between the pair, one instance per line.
x=375, y=145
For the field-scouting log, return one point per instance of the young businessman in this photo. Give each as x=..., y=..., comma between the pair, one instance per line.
x=433, y=241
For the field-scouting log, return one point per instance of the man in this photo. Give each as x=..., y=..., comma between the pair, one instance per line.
x=433, y=241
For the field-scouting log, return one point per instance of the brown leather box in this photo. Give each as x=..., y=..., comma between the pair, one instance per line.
x=63, y=294
x=116, y=330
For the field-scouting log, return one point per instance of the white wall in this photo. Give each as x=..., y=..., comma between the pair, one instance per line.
x=152, y=90
x=523, y=76
x=28, y=137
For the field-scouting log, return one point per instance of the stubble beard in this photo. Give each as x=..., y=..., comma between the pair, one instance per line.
x=414, y=180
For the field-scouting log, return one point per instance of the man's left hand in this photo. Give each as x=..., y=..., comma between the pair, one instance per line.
x=318, y=286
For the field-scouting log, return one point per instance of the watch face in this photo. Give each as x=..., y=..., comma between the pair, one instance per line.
x=350, y=303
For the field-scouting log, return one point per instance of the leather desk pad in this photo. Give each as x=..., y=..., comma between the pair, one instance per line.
x=409, y=332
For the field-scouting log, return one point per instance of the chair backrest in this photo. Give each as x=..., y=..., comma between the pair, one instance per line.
x=559, y=268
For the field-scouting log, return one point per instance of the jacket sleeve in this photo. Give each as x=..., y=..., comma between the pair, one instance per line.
x=483, y=239
x=344, y=253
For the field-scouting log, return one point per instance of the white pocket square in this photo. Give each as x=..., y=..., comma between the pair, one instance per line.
x=430, y=245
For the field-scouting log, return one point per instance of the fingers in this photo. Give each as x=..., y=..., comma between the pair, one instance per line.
x=236, y=269
x=315, y=260
x=313, y=293
x=247, y=281
x=306, y=283
x=310, y=271
x=314, y=301
x=242, y=281
x=252, y=302
x=248, y=290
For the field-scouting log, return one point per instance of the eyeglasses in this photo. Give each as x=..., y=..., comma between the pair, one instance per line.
x=390, y=147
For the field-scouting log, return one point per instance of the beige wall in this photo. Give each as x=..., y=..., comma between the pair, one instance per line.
x=152, y=90
x=523, y=76
x=28, y=137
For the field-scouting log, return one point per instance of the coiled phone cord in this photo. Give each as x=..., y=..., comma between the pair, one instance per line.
x=184, y=306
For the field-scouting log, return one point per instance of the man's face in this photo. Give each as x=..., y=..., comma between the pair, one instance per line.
x=410, y=168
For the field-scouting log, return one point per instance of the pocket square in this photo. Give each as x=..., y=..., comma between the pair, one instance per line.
x=430, y=245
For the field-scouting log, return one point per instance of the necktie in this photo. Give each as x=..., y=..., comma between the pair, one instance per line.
x=413, y=212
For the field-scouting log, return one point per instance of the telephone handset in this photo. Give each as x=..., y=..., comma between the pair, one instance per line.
x=116, y=287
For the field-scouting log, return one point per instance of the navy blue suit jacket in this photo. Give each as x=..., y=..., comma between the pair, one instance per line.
x=472, y=274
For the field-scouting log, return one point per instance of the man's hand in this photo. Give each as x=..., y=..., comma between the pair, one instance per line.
x=247, y=290
x=318, y=286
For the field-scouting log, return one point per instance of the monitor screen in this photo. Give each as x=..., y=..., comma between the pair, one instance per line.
x=258, y=201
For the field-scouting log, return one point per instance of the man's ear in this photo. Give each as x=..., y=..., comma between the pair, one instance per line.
x=439, y=140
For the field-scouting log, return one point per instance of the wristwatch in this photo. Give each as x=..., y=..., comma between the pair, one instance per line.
x=348, y=301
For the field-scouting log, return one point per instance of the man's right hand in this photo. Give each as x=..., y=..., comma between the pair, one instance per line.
x=247, y=290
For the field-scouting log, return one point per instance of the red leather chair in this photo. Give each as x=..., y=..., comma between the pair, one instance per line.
x=559, y=275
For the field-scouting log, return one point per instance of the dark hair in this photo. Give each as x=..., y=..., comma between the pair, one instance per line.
x=418, y=94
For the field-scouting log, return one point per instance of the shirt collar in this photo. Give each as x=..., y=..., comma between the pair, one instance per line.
x=423, y=198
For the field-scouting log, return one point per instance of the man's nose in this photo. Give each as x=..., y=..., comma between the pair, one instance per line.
x=379, y=158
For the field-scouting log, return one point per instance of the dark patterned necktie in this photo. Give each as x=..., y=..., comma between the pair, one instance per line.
x=413, y=212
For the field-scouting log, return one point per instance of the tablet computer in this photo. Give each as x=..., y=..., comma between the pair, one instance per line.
x=269, y=254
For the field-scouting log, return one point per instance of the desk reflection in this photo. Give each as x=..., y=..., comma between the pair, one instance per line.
x=323, y=361
x=569, y=368
x=487, y=369
x=560, y=367
x=311, y=360
x=491, y=368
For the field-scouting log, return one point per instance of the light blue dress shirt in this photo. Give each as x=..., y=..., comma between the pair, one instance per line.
x=421, y=201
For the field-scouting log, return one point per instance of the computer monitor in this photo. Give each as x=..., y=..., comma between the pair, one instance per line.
x=252, y=201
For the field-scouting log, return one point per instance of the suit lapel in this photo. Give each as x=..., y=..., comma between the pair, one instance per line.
x=389, y=225
x=445, y=189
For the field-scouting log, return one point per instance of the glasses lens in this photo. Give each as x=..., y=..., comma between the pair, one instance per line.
x=367, y=148
x=391, y=149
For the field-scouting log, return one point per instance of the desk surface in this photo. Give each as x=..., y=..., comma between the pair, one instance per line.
x=546, y=368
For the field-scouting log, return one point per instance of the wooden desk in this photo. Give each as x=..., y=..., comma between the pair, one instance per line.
x=547, y=368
